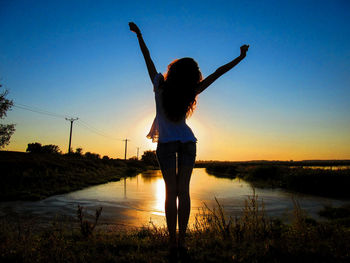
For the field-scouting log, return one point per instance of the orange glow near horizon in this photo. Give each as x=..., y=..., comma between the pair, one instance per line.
x=224, y=143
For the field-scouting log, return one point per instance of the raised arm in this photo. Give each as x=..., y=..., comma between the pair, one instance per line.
x=149, y=63
x=222, y=70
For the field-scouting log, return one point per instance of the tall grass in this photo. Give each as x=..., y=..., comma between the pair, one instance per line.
x=86, y=227
x=254, y=237
x=215, y=237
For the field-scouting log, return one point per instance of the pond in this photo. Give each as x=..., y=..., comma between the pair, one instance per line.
x=137, y=201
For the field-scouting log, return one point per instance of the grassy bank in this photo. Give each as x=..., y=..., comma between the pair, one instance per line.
x=299, y=178
x=27, y=176
x=252, y=237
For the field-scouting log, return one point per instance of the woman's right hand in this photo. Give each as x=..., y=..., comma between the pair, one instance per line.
x=134, y=28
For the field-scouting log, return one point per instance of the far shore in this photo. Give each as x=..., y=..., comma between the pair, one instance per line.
x=321, y=178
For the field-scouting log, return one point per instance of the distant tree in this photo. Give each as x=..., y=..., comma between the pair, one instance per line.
x=134, y=158
x=6, y=130
x=34, y=147
x=150, y=157
x=38, y=148
x=79, y=151
x=92, y=155
x=105, y=157
x=50, y=148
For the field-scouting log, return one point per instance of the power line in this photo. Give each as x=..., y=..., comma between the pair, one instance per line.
x=96, y=131
x=72, y=119
x=52, y=114
x=40, y=111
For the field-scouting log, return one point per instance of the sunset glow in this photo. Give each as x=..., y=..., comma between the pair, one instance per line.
x=288, y=100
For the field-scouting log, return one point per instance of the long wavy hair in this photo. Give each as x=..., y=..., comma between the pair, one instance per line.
x=180, y=88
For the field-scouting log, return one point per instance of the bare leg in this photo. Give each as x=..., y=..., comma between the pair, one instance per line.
x=186, y=160
x=177, y=183
x=166, y=155
x=184, y=201
x=169, y=176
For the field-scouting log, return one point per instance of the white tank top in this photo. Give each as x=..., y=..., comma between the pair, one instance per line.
x=164, y=130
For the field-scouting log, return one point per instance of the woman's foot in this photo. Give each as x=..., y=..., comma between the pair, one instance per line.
x=172, y=256
x=183, y=254
x=182, y=249
x=182, y=241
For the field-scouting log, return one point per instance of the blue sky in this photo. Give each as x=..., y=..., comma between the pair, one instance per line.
x=289, y=99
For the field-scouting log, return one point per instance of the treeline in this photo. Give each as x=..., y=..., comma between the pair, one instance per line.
x=37, y=148
x=148, y=157
x=37, y=175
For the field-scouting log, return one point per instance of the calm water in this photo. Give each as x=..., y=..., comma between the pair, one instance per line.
x=137, y=201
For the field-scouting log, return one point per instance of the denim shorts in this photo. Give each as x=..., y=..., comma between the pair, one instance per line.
x=176, y=154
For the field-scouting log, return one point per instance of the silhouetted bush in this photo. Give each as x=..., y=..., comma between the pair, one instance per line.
x=150, y=158
x=34, y=147
x=38, y=148
x=50, y=149
x=266, y=172
x=222, y=170
x=92, y=155
x=79, y=151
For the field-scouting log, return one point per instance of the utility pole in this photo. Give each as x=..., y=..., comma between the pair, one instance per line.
x=126, y=147
x=138, y=152
x=71, y=128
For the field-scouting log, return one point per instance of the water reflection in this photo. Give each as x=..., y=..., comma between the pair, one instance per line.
x=159, y=208
x=145, y=197
x=137, y=201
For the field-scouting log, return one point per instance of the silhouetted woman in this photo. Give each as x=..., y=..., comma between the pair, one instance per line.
x=175, y=96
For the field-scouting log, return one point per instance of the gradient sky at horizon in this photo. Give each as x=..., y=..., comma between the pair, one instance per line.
x=289, y=99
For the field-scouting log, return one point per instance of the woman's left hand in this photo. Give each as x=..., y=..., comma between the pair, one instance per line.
x=244, y=50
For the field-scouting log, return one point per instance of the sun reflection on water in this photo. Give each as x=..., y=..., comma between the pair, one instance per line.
x=158, y=208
